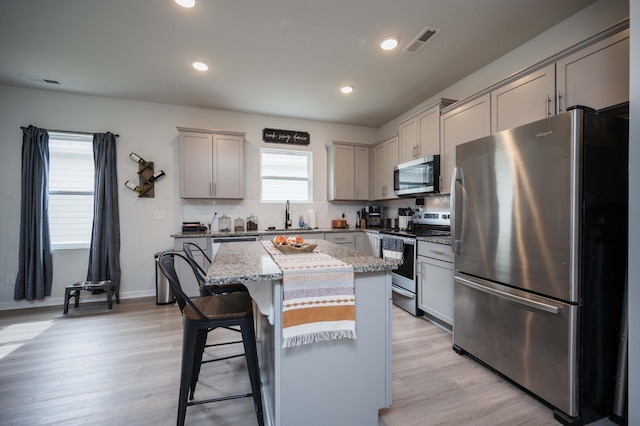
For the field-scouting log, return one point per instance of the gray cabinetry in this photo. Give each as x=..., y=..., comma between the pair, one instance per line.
x=211, y=164
x=436, y=282
x=347, y=172
x=419, y=136
x=385, y=156
x=525, y=100
x=596, y=76
x=458, y=125
x=374, y=243
x=342, y=238
x=361, y=243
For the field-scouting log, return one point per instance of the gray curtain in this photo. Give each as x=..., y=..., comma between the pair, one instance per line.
x=104, y=255
x=35, y=268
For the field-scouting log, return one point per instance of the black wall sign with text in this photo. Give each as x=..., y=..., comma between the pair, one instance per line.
x=289, y=137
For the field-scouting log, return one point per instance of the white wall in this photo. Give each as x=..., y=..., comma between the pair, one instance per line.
x=149, y=130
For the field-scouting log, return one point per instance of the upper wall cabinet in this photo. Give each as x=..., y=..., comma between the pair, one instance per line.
x=419, y=136
x=462, y=124
x=385, y=158
x=347, y=171
x=211, y=164
x=525, y=100
x=596, y=76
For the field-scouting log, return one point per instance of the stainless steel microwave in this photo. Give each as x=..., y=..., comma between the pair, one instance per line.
x=421, y=176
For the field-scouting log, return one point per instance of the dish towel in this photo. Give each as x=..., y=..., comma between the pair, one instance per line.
x=393, y=249
x=318, y=297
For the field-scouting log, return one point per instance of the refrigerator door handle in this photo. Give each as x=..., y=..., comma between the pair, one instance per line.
x=456, y=242
x=512, y=297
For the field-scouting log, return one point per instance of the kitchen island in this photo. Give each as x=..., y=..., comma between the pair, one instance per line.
x=337, y=382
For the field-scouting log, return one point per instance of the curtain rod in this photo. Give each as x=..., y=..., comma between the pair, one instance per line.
x=70, y=131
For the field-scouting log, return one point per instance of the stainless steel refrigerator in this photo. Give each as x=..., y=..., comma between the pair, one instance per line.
x=540, y=240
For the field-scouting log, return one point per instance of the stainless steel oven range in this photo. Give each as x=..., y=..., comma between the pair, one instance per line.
x=403, y=279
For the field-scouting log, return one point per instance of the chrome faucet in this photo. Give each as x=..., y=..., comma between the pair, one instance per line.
x=287, y=220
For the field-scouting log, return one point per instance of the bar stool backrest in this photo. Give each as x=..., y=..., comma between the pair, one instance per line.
x=197, y=269
x=166, y=262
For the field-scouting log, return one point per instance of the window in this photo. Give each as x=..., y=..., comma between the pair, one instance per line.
x=285, y=175
x=70, y=189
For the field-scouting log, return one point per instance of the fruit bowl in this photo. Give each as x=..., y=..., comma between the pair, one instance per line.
x=292, y=245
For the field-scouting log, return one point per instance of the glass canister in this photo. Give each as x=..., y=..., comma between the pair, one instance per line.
x=252, y=223
x=238, y=225
x=224, y=223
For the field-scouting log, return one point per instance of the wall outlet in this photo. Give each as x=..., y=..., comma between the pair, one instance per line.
x=158, y=215
x=11, y=279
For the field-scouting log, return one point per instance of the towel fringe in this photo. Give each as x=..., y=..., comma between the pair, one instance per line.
x=320, y=336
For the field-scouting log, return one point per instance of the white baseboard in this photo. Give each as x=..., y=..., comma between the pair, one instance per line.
x=58, y=301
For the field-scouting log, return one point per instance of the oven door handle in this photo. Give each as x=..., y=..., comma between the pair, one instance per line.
x=403, y=292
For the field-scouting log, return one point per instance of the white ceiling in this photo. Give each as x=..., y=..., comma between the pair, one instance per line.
x=276, y=57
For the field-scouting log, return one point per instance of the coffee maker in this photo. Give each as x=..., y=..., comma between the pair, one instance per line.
x=374, y=216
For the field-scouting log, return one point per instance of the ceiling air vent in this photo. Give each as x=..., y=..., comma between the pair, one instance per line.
x=421, y=40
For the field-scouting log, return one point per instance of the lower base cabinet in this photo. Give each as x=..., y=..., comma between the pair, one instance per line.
x=374, y=242
x=342, y=238
x=436, y=282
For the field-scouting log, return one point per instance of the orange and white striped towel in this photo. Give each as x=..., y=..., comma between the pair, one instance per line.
x=318, y=297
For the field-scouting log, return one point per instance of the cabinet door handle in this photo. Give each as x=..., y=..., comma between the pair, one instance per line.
x=559, y=98
x=215, y=189
x=547, y=104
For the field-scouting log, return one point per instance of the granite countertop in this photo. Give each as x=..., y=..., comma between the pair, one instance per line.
x=249, y=261
x=269, y=232
x=207, y=234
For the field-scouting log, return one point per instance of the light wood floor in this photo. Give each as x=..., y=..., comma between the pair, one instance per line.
x=121, y=367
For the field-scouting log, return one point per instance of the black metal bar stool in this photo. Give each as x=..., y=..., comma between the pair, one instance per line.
x=199, y=316
x=207, y=290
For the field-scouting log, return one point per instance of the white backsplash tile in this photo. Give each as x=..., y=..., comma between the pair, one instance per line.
x=269, y=214
x=272, y=214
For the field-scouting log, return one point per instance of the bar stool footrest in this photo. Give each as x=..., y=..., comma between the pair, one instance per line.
x=222, y=398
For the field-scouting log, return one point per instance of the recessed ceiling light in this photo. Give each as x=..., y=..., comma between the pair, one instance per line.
x=200, y=66
x=389, y=43
x=187, y=3
x=347, y=89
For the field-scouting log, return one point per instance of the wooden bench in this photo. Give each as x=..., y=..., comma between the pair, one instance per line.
x=73, y=290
